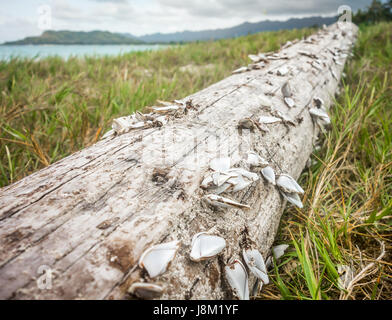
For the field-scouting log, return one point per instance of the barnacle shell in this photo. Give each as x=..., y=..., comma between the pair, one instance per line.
x=269, y=120
x=205, y=245
x=238, y=183
x=289, y=101
x=282, y=71
x=165, y=109
x=293, y=198
x=279, y=250
x=287, y=44
x=254, y=58
x=286, y=119
x=288, y=184
x=157, y=258
x=321, y=114
x=240, y=70
x=222, y=177
x=242, y=172
x=207, y=182
x=124, y=124
x=269, y=174
x=237, y=277
x=108, y=134
x=218, y=201
x=121, y=125
x=220, y=164
x=162, y=120
x=255, y=262
x=254, y=160
x=145, y=290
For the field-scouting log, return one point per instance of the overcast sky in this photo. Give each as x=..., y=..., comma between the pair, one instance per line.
x=21, y=18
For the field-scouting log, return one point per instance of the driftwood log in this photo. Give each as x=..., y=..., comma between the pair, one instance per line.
x=87, y=219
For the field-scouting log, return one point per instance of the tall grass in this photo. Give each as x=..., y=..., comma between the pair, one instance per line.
x=51, y=108
x=341, y=240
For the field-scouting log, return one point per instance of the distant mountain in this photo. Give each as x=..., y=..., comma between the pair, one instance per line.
x=237, y=31
x=105, y=37
x=78, y=37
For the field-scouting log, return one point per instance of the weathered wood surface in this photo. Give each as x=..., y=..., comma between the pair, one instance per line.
x=90, y=216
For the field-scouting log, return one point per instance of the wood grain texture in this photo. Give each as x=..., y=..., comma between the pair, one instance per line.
x=90, y=216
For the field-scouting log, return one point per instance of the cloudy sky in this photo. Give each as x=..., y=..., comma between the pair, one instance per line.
x=21, y=18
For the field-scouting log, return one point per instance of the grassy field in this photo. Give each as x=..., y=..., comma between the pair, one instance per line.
x=51, y=108
x=345, y=227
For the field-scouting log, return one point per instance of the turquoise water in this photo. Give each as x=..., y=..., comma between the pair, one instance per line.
x=66, y=51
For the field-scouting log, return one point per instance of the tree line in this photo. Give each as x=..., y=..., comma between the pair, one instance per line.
x=376, y=12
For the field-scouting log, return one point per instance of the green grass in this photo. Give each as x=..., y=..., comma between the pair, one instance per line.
x=346, y=219
x=51, y=108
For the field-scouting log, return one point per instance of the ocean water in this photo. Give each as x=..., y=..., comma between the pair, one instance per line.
x=66, y=51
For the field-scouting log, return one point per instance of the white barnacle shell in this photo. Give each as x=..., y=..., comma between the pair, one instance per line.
x=286, y=90
x=221, y=202
x=255, y=262
x=279, y=250
x=247, y=174
x=289, y=101
x=223, y=188
x=283, y=117
x=207, y=182
x=166, y=108
x=145, y=290
x=220, y=164
x=237, y=277
x=287, y=44
x=121, y=125
x=240, y=70
x=269, y=174
x=157, y=258
x=269, y=120
x=162, y=120
x=108, y=134
x=219, y=178
x=254, y=58
x=321, y=114
x=205, y=246
x=254, y=160
x=239, y=183
x=293, y=198
x=287, y=184
x=282, y=71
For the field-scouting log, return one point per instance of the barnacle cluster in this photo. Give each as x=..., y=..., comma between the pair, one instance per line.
x=225, y=178
x=158, y=117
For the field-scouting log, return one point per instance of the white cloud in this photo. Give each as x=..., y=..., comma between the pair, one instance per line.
x=144, y=17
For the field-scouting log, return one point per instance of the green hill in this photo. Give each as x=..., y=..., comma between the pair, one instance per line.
x=77, y=37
